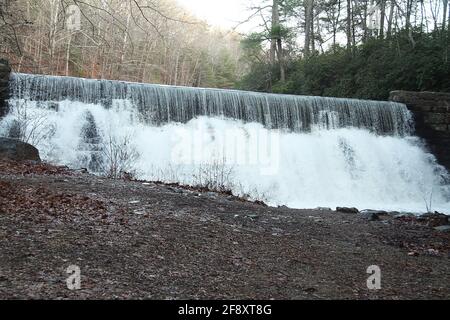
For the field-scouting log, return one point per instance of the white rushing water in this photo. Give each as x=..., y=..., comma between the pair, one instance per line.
x=327, y=166
x=159, y=104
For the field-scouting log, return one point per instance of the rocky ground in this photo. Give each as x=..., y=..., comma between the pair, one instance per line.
x=152, y=241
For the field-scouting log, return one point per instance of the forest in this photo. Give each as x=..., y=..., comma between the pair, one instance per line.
x=341, y=48
x=360, y=49
x=142, y=41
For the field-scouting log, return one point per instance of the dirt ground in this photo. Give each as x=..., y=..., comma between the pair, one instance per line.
x=138, y=240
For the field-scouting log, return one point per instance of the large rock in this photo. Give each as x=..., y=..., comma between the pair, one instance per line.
x=372, y=215
x=16, y=150
x=347, y=210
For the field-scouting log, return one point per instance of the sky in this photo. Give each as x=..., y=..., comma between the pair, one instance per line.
x=222, y=13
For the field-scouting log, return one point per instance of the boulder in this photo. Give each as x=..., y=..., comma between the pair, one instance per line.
x=16, y=150
x=347, y=210
x=372, y=215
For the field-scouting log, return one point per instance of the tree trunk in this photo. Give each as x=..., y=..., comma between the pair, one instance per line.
x=444, y=18
x=391, y=19
x=276, y=41
x=175, y=77
x=409, y=6
x=366, y=30
x=281, y=60
x=68, y=54
x=349, y=24
x=54, y=13
x=408, y=14
x=336, y=24
x=313, y=33
x=382, y=17
x=273, y=38
x=124, y=44
x=308, y=22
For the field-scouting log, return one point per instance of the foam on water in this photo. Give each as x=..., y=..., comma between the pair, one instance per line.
x=323, y=167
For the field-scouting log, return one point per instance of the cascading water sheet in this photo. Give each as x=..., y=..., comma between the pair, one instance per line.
x=303, y=152
x=159, y=104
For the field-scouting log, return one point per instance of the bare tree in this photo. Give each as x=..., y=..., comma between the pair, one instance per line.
x=28, y=125
x=119, y=156
x=11, y=21
x=135, y=40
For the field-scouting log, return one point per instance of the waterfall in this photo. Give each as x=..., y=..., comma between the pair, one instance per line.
x=160, y=104
x=299, y=151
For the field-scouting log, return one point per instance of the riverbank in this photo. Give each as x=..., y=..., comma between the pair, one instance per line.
x=142, y=240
